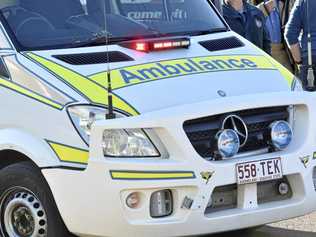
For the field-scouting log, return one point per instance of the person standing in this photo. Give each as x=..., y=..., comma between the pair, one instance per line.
x=285, y=7
x=248, y=21
x=277, y=15
x=302, y=20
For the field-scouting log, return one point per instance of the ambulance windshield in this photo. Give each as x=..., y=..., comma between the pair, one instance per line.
x=48, y=24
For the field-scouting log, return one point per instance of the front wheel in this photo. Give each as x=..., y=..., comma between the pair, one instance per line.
x=27, y=208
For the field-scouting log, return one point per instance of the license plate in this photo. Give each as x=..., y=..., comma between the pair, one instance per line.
x=259, y=171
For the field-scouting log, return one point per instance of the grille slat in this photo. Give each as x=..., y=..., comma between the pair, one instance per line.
x=222, y=44
x=202, y=131
x=94, y=58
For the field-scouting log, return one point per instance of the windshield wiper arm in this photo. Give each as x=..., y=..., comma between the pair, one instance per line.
x=97, y=39
x=103, y=40
x=206, y=32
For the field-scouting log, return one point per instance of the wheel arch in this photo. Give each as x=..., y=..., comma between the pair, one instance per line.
x=9, y=157
x=17, y=145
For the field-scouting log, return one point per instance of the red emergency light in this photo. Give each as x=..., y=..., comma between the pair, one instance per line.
x=147, y=45
x=141, y=46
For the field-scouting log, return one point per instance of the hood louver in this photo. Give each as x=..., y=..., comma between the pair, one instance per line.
x=222, y=44
x=94, y=58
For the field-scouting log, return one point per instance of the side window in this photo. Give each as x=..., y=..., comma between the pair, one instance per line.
x=4, y=73
x=4, y=41
x=4, y=47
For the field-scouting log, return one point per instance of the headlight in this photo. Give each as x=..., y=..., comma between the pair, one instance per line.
x=116, y=142
x=128, y=143
x=83, y=116
x=297, y=85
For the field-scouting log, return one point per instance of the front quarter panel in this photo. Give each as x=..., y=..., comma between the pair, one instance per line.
x=34, y=148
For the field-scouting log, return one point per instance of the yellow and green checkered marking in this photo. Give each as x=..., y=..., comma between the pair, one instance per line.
x=151, y=175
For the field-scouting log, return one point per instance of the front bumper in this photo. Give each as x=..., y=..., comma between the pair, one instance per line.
x=92, y=202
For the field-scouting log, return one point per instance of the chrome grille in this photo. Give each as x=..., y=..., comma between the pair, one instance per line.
x=202, y=131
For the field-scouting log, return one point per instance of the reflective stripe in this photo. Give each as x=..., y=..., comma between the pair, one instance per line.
x=83, y=85
x=26, y=92
x=140, y=175
x=287, y=75
x=69, y=154
x=31, y=80
x=137, y=74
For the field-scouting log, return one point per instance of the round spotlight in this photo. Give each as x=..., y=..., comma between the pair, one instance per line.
x=228, y=143
x=133, y=200
x=281, y=134
x=284, y=188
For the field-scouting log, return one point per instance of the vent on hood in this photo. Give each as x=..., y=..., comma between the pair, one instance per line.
x=94, y=58
x=222, y=44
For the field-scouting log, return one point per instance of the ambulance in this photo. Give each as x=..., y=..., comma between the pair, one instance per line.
x=145, y=118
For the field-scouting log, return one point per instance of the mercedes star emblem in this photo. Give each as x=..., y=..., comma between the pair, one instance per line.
x=237, y=124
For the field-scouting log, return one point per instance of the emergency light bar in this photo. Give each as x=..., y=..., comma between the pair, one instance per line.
x=147, y=45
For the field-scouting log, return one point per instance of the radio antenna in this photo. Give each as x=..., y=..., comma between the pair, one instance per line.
x=310, y=71
x=110, y=113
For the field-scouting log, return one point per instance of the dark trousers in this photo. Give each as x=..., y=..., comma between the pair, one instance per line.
x=303, y=74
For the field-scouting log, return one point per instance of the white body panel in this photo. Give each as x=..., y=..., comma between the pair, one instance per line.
x=106, y=204
x=90, y=202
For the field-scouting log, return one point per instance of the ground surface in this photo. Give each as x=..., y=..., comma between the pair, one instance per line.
x=299, y=227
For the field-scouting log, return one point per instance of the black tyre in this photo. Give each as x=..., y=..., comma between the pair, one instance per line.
x=27, y=208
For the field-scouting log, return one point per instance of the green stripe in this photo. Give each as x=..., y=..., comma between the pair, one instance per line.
x=91, y=90
x=287, y=75
x=26, y=92
x=151, y=175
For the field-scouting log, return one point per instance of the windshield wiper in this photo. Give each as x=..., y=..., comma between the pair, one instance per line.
x=102, y=40
x=206, y=32
x=97, y=39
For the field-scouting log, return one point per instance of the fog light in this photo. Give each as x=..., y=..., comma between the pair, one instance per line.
x=284, y=188
x=133, y=200
x=281, y=134
x=228, y=143
x=161, y=204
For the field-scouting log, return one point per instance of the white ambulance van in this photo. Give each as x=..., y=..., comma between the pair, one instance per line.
x=145, y=118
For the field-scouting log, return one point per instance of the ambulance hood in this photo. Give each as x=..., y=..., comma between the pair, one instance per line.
x=151, y=81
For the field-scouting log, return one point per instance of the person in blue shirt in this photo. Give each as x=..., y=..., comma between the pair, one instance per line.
x=248, y=21
x=277, y=14
x=296, y=35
